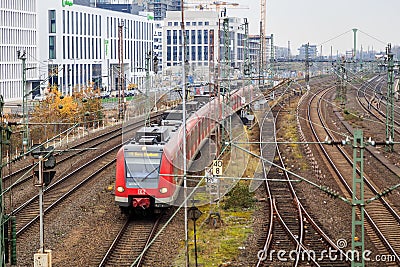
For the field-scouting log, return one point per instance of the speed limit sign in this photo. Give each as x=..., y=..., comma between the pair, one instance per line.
x=217, y=167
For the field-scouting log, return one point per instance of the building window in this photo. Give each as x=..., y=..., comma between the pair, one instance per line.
x=193, y=53
x=193, y=37
x=206, y=23
x=176, y=23
x=205, y=36
x=168, y=37
x=72, y=22
x=52, y=47
x=80, y=24
x=169, y=23
x=67, y=23
x=52, y=21
x=175, y=53
x=63, y=17
x=200, y=23
x=84, y=23
x=199, y=37
x=175, y=37
x=199, y=53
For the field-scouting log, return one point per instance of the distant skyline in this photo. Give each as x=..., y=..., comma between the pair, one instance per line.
x=317, y=22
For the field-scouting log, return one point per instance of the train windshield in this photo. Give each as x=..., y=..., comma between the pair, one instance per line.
x=142, y=168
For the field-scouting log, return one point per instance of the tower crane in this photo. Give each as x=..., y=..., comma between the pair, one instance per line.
x=208, y=5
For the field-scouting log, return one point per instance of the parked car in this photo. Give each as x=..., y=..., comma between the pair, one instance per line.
x=105, y=94
x=39, y=97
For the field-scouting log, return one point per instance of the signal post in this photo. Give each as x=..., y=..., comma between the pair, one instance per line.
x=42, y=178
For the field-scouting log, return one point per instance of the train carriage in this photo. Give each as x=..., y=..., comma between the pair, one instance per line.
x=149, y=169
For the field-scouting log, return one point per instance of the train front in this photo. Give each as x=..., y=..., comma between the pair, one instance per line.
x=138, y=184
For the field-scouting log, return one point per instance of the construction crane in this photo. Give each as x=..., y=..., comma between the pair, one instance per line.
x=208, y=5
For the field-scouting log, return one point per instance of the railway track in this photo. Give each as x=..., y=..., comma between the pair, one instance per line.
x=64, y=186
x=381, y=216
x=292, y=229
x=27, y=213
x=366, y=100
x=68, y=160
x=129, y=243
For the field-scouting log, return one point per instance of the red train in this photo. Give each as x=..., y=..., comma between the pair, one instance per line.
x=149, y=169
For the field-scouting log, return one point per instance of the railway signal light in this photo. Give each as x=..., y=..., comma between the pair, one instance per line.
x=48, y=176
x=49, y=162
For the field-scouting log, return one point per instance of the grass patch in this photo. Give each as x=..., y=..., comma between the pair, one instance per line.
x=239, y=198
x=290, y=133
x=218, y=245
x=222, y=244
x=351, y=116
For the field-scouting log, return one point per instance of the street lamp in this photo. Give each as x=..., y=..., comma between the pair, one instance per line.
x=194, y=213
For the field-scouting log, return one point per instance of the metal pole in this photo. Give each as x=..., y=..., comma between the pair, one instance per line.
x=307, y=61
x=355, y=44
x=121, y=81
x=246, y=59
x=195, y=243
x=148, y=58
x=226, y=76
x=261, y=56
x=358, y=203
x=390, y=100
x=25, y=137
x=184, y=130
x=272, y=60
x=2, y=217
x=41, y=234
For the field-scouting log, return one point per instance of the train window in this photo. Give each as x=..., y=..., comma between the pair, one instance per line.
x=141, y=166
x=196, y=134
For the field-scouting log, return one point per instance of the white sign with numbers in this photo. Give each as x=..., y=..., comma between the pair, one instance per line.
x=217, y=167
x=211, y=180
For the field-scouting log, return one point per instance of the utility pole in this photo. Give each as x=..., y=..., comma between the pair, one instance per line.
x=390, y=100
x=121, y=80
x=261, y=55
x=185, y=193
x=358, y=203
x=148, y=59
x=246, y=69
x=25, y=134
x=225, y=76
x=46, y=160
x=263, y=36
x=2, y=215
x=5, y=220
x=307, y=62
x=355, y=44
x=343, y=86
x=211, y=69
x=272, y=60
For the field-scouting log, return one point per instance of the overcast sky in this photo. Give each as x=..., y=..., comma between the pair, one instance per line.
x=317, y=22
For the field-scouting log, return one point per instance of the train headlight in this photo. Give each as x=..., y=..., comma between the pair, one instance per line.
x=163, y=190
x=120, y=189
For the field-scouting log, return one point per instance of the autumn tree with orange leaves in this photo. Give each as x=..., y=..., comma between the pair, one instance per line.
x=57, y=113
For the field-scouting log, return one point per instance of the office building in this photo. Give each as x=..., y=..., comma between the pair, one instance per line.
x=18, y=32
x=81, y=46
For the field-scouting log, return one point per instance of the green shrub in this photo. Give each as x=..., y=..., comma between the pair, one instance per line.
x=239, y=197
